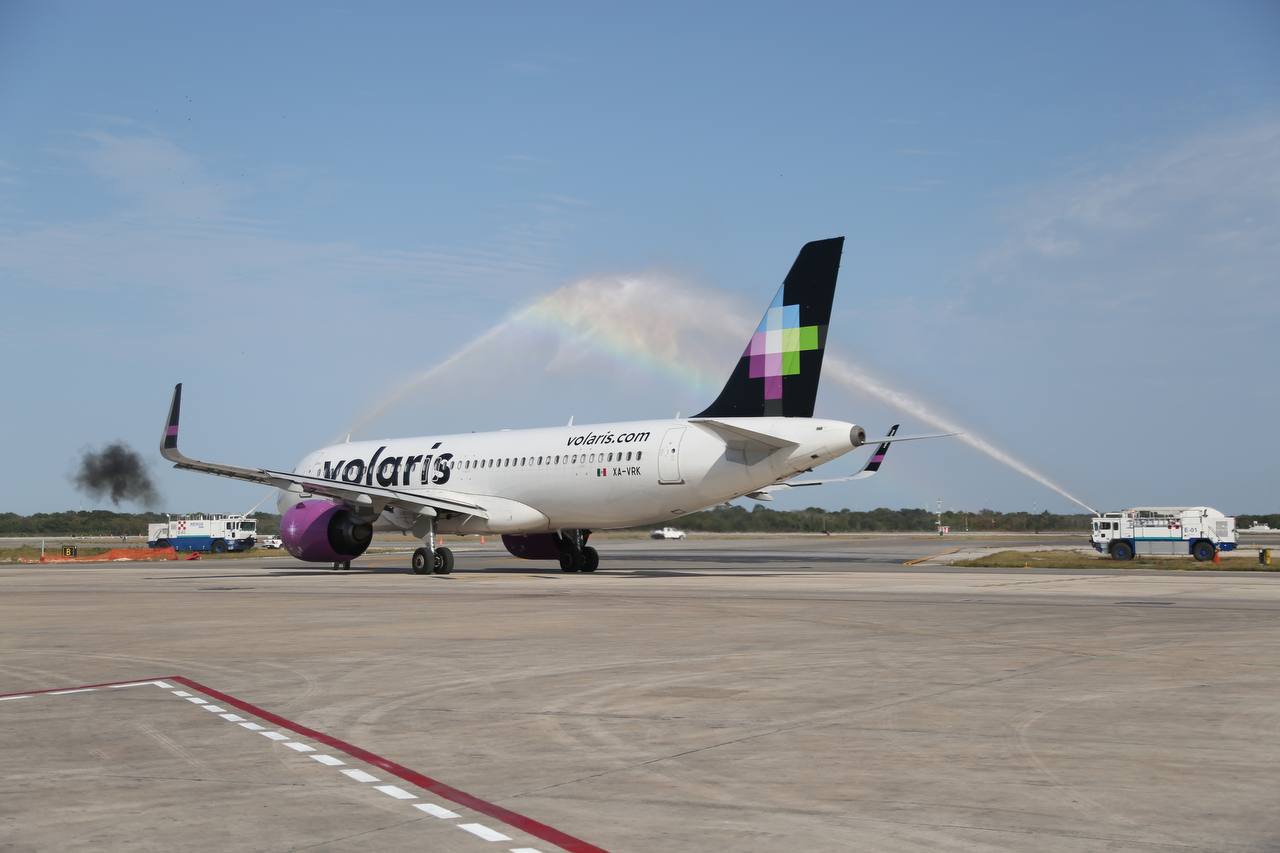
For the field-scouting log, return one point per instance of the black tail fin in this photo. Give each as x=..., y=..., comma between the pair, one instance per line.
x=778, y=372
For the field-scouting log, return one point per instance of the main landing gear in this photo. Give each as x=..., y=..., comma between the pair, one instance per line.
x=575, y=554
x=426, y=562
x=431, y=559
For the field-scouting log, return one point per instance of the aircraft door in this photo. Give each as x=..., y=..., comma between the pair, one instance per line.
x=669, y=456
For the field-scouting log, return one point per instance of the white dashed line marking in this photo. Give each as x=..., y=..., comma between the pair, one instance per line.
x=479, y=830
x=436, y=811
x=398, y=793
x=482, y=831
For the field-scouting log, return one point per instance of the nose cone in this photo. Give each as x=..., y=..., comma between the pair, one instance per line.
x=857, y=436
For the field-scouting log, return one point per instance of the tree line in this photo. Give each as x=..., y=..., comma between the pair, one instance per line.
x=721, y=519
x=99, y=522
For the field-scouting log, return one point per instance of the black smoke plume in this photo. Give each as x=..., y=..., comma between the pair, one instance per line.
x=116, y=472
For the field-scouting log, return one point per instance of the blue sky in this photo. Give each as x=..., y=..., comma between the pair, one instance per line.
x=1061, y=228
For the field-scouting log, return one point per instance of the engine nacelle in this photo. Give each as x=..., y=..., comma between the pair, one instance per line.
x=536, y=546
x=324, y=532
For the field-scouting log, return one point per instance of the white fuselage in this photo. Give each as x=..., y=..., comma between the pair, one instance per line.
x=596, y=477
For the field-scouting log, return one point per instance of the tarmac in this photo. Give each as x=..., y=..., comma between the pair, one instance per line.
x=733, y=693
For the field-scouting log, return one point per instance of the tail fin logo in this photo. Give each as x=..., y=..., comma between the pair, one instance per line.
x=774, y=350
x=777, y=374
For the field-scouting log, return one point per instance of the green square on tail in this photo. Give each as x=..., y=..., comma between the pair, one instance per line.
x=791, y=363
x=808, y=337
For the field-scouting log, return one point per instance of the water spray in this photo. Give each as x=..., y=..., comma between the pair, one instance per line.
x=678, y=330
x=859, y=379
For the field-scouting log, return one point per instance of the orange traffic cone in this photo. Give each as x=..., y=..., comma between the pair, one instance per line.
x=1217, y=556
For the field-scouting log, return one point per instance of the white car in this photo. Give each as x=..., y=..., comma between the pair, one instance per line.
x=667, y=533
x=270, y=542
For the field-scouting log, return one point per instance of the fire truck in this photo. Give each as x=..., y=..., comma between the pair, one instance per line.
x=200, y=532
x=1200, y=531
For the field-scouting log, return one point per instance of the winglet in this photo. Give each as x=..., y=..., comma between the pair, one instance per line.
x=169, y=441
x=873, y=464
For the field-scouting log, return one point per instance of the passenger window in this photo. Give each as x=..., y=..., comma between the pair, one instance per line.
x=628, y=455
x=637, y=455
x=593, y=457
x=539, y=460
x=557, y=462
x=575, y=458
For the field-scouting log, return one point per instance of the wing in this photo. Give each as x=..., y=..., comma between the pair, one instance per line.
x=868, y=470
x=439, y=500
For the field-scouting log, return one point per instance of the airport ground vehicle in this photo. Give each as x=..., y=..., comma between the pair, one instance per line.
x=667, y=533
x=216, y=533
x=1200, y=531
x=270, y=542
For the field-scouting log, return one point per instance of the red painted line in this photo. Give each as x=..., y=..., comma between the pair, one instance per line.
x=82, y=687
x=513, y=819
x=435, y=786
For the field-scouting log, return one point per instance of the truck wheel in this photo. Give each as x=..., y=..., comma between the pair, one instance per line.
x=1203, y=550
x=219, y=546
x=1121, y=551
x=162, y=543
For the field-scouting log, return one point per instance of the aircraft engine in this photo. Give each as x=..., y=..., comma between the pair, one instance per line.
x=321, y=531
x=536, y=546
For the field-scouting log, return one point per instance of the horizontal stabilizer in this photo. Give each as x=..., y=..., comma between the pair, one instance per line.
x=736, y=432
x=891, y=437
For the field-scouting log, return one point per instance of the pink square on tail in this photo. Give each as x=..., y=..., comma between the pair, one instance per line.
x=773, y=387
x=756, y=368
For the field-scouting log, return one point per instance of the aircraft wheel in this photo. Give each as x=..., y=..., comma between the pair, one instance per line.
x=590, y=559
x=568, y=562
x=421, y=562
x=444, y=561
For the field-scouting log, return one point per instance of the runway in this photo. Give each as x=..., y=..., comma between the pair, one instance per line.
x=747, y=693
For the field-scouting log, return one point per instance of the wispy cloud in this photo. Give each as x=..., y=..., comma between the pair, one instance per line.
x=177, y=224
x=1192, y=224
x=156, y=176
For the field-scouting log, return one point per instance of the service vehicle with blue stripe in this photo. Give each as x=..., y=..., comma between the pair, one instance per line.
x=1200, y=531
x=217, y=533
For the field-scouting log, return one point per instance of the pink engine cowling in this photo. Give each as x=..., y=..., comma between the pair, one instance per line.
x=324, y=532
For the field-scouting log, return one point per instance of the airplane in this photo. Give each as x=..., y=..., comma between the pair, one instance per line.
x=546, y=490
